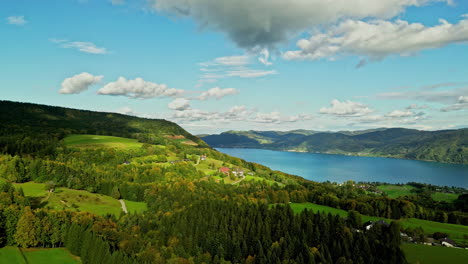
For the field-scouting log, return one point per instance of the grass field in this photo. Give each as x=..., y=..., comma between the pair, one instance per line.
x=255, y=178
x=37, y=256
x=455, y=232
x=101, y=141
x=78, y=200
x=135, y=207
x=32, y=189
x=444, y=197
x=394, y=191
x=422, y=254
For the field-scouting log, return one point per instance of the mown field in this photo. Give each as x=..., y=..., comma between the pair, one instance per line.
x=395, y=191
x=422, y=254
x=15, y=255
x=459, y=233
x=444, y=197
x=101, y=141
x=78, y=200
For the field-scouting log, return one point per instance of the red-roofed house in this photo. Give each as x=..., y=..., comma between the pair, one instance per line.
x=224, y=170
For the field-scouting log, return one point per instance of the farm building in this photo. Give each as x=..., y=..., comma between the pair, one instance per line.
x=225, y=170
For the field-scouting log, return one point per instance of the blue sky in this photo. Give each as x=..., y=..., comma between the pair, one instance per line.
x=215, y=66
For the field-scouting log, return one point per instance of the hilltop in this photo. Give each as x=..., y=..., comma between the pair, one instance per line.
x=449, y=146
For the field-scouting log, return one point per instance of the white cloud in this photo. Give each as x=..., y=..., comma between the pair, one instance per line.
x=179, y=104
x=434, y=94
x=240, y=60
x=394, y=118
x=249, y=73
x=265, y=23
x=400, y=113
x=277, y=118
x=264, y=57
x=86, y=47
x=16, y=20
x=378, y=39
x=460, y=105
x=79, y=83
x=138, y=88
x=217, y=93
x=238, y=113
x=346, y=109
x=127, y=111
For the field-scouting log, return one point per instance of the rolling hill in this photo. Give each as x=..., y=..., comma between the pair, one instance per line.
x=449, y=146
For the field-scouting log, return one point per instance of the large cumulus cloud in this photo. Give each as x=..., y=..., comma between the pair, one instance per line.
x=265, y=23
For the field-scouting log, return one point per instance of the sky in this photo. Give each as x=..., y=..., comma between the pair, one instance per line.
x=213, y=66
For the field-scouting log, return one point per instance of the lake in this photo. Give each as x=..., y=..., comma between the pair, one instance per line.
x=340, y=168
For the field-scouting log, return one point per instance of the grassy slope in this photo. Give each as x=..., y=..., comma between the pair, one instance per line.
x=444, y=197
x=394, y=191
x=456, y=232
x=422, y=254
x=101, y=141
x=37, y=256
x=135, y=207
x=85, y=201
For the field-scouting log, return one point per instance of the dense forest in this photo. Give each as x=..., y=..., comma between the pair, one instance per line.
x=450, y=146
x=194, y=215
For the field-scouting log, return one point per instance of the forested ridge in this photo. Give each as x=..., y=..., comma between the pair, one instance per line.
x=195, y=213
x=449, y=146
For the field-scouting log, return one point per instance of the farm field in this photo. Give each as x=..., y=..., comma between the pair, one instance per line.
x=444, y=197
x=78, y=200
x=101, y=141
x=32, y=189
x=455, y=232
x=135, y=207
x=37, y=256
x=395, y=191
x=422, y=254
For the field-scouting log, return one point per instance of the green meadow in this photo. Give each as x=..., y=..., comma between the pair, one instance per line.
x=78, y=200
x=395, y=191
x=16, y=255
x=459, y=233
x=444, y=197
x=101, y=141
x=422, y=254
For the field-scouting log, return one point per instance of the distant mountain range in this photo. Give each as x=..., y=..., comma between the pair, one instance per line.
x=449, y=146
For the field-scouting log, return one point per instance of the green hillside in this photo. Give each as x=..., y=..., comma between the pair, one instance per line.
x=443, y=146
x=67, y=175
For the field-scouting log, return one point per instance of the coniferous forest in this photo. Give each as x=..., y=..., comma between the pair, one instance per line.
x=194, y=214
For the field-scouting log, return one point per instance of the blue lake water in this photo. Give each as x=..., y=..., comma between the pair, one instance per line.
x=339, y=168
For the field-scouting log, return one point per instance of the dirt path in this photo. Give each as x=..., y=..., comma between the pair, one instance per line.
x=243, y=178
x=124, y=207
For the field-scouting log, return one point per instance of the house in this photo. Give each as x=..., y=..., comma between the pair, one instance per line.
x=251, y=173
x=126, y=163
x=238, y=173
x=203, y=157
x=447, y=242
x=224, y=170
x=368, y=225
